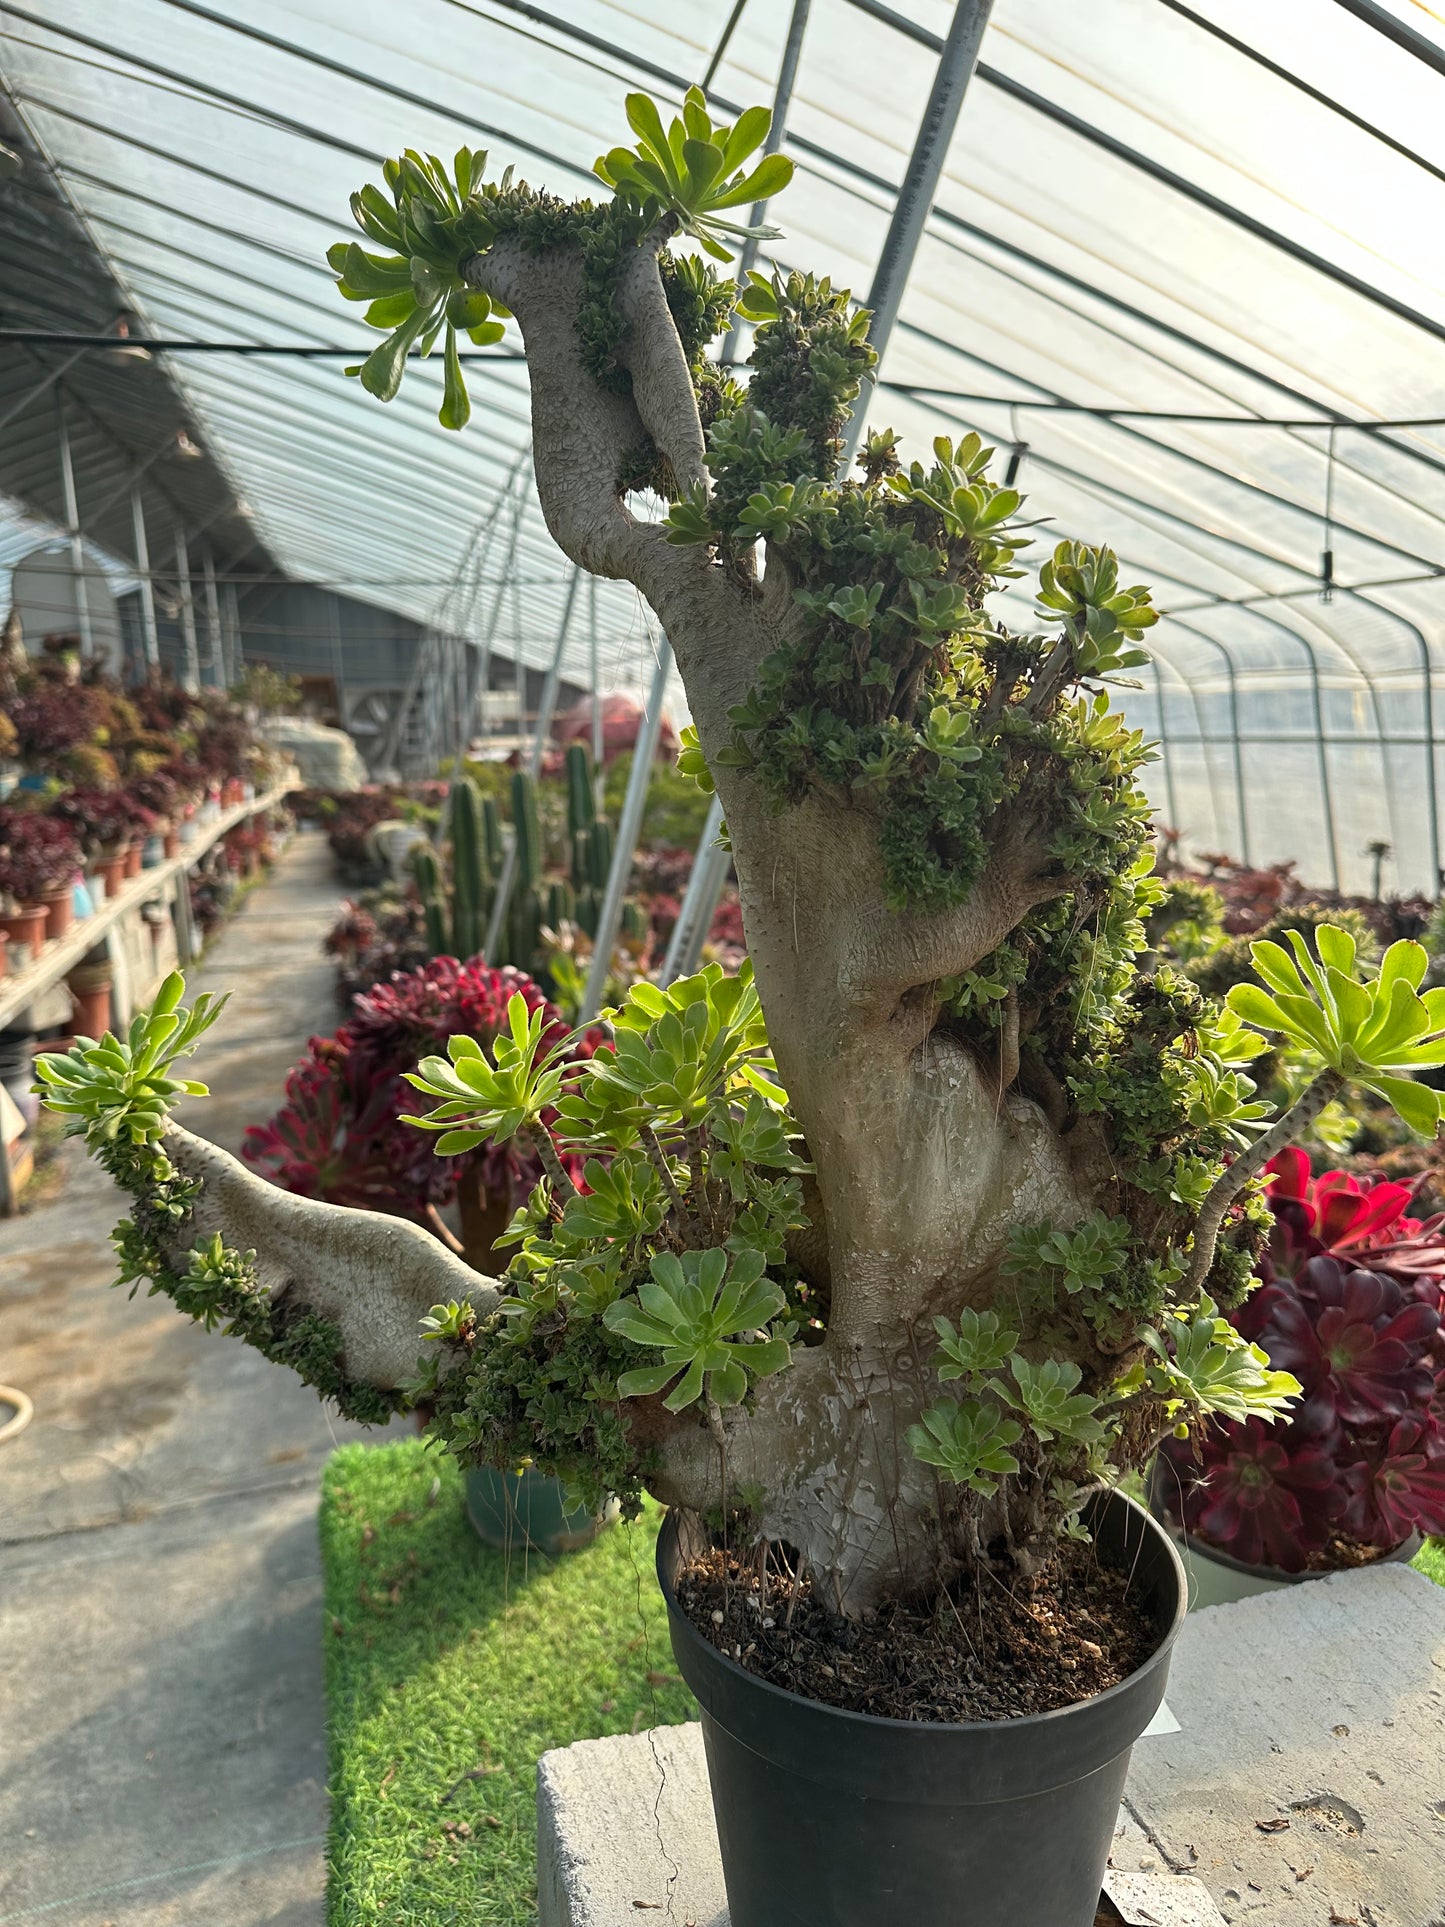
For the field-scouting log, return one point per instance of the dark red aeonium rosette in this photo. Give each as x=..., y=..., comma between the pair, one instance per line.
x=1352, y=1307
x=341, y=1135
x=1335, y=1215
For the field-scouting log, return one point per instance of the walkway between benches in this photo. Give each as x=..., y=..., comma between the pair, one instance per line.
x=160, y=1589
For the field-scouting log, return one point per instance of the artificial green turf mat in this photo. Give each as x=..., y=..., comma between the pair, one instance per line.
x=1430, y=1560
x=443, y=1656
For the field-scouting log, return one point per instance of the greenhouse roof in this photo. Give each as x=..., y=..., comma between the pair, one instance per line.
x=1189, y=259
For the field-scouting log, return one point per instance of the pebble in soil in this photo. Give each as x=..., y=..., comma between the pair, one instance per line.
x=999, y=1650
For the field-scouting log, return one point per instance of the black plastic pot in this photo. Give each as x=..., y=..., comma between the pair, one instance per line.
x=835, y=1819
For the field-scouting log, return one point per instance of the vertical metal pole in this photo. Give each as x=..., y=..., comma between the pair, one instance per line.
x=1322, y=760
x=627, y=831
x=484, y=664
x=554, y=676
x=595, y=677
x=704, y=887
x=234, y=647
x=338, y=672
x=782, y=100
x=143, y=569
x=501, y=902
x=1164, y=755
x=920, y=184
x=213, y=624
x=72, y=523
x=191, y=666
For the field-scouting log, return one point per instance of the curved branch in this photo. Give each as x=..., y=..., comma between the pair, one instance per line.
x=661, y=380
x=373, y=1276
x=1228, y=1185
x=582, y=433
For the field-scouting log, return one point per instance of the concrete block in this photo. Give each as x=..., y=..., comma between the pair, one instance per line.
x=625, y=1830
x=1308, y=1775
x=1305, y=1782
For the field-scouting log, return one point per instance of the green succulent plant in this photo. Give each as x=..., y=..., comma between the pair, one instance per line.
x=692, y=170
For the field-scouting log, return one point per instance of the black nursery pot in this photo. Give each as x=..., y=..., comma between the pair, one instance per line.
x=836, y=1819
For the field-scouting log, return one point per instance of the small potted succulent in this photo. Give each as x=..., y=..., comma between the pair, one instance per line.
x=1351, y=1305
x=100, y=819
x=39, y=861
x=90, y=985
x=159, y=793
x=140, y=853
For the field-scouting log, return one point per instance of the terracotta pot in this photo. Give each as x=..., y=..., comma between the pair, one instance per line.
x=59, y=911
x=27, y=926
x=4, y=947
x=132, y=860
x=172, y=843
x=112, y=868
x=90, y=987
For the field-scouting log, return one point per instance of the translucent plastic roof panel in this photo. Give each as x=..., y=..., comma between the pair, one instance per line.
x=1177, y=252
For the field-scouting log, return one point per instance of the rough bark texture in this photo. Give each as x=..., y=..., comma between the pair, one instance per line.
x=374, y=1277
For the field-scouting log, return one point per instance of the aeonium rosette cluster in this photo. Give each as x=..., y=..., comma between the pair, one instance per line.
x=1352, y=1305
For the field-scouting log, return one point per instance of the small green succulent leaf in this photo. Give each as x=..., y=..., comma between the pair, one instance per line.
x=978, y=1343
x=1205, y=1366
x=1048, y=1396
x=969, y=1442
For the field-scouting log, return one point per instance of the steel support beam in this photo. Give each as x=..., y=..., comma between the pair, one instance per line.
x=627, y=831
x=72, y=524
x=956, y=63
x=147, y=591
x=704, y=887
x=782, y=100
x=595, y=680
x=191, y=664
x=33, y=394
x=213, y=625
x=232, y=648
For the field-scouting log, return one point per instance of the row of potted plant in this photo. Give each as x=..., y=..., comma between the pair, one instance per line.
x=99, y=781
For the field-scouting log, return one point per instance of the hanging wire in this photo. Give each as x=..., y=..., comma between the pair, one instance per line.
x=1327, y=559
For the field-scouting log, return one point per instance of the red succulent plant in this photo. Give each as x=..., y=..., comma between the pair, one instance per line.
x=1351, y=1303
x=1339, y=1216
x=37, y=854
x=341, y=1134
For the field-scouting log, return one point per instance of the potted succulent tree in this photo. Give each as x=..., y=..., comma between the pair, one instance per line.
x=884, y=1263
x=1350, y=1301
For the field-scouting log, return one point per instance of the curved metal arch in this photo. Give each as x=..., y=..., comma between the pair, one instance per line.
x=1131, y=432
x=1156, y=654
x=1327, y=794
x=1368, y=682
x=1427, y=675
x=1232, y=683
x=1164, y=762
x=1096, y=485
x=1321, y=749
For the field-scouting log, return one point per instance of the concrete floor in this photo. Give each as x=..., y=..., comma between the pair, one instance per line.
x=162, y=1752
